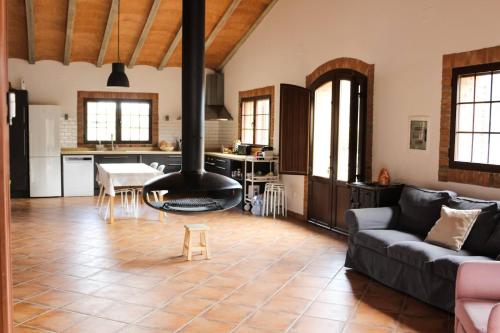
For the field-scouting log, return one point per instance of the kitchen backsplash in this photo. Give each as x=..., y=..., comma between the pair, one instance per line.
x=172, y=130
x=216, y=133
x=68, y=132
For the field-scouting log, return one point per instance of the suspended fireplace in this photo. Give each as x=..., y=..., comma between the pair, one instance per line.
x=193, y=189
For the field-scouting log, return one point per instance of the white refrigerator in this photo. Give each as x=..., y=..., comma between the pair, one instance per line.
x=45, y=151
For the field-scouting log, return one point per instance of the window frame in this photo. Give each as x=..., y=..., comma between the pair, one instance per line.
x=473, y=70
x=254, y=99
x=118, y=119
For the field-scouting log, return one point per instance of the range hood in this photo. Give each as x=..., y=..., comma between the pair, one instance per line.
x=193, y=189
x=214, y=97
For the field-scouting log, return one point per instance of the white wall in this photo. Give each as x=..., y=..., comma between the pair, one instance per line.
x=50, y=82
x=404, y=39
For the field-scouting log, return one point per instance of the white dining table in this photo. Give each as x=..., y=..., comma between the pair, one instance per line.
x=124, y=175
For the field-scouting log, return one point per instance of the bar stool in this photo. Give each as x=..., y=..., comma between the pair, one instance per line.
x=188, y=247
x=274, y=200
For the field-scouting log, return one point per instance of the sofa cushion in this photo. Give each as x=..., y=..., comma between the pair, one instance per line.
x=379, y=240
x=420, y=209
x=418, y=254
x=484, y=225
x=473, y=314
x=492, y=246
x=453, y=227
x=447, y=266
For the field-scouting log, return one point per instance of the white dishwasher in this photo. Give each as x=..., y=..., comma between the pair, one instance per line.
x=78, y=175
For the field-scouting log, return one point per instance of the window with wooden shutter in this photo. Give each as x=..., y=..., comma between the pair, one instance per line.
x=294, y=129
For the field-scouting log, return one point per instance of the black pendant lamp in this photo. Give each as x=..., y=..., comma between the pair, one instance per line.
x=118, y=78
x=193, y=189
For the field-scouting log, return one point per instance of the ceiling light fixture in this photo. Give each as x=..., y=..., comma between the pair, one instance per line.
x=118, y=78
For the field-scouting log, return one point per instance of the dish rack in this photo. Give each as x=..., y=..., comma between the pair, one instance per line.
x=252, y=180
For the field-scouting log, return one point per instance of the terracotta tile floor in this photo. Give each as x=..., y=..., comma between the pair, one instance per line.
x=75, y=273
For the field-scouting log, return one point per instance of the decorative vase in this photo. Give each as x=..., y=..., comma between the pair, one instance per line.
x=383, y=177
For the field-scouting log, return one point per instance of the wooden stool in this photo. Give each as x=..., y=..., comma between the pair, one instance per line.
x=189, y=247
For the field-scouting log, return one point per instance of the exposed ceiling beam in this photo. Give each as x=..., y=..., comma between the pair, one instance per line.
x=70, y=22
x=227, y=14
x=145, y=31
x=249, y=32
x=113, y=11
x=171, y=49
x=30, y=28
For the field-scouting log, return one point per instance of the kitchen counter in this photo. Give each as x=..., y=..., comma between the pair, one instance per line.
x=135, y=151
x=228, y=156
x=121, y=151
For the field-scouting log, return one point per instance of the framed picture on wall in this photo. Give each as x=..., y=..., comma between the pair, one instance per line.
x=419, y=133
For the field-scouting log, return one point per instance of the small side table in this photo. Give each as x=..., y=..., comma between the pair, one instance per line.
x=370, y=195
x=189, y=247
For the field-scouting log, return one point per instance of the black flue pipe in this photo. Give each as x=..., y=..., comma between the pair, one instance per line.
x=193, y=86
x=193, y=189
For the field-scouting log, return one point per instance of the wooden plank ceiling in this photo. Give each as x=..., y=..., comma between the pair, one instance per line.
x=150, y=30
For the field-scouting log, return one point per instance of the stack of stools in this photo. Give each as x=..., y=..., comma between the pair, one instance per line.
x=189, y=247
x=274, y=201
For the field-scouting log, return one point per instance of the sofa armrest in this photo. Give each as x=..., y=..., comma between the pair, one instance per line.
x=494, y=319
x=478, y=279
x=371, y=218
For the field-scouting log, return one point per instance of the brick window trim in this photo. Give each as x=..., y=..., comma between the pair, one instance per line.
x=264, y=91
x=446, y=173
x=367, y=70
x=82, y=95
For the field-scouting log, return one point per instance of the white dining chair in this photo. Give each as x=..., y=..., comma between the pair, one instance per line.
x=161, y=167
x=154, y=165
x=100, y=197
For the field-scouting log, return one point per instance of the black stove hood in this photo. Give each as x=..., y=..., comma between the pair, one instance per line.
x=193, y=189
x=215, y=108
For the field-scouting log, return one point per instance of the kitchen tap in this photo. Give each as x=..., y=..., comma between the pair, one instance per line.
x=112, y=143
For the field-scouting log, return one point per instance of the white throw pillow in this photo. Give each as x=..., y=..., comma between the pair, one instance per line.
x=453, y=227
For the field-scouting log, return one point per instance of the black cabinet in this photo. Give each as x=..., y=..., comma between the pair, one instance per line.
x=218, y=165
x=19, y=148
x=365, y=195
x=172, y=162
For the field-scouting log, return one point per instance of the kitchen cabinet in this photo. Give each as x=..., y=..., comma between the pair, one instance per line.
x=172, y=162
x=218, y=165
x=19, y=148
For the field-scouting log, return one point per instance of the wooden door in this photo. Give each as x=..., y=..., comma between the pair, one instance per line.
x=337, y=115
x=321, y=167
x=348, y=147
x=5, y=267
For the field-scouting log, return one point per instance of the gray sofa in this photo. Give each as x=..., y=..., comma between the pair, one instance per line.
x=388, y=245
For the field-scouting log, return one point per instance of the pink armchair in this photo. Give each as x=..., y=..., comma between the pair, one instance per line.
x=477, y=297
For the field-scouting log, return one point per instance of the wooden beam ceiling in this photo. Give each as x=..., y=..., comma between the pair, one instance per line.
x=227, y=14
x=150, y=30
x=171, y=49
x=30, y=28
x=113, y=12
x=249, y=32
x=145, y=32
x=70, y=23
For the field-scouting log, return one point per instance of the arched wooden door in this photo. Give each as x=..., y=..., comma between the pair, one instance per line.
x=338, y=116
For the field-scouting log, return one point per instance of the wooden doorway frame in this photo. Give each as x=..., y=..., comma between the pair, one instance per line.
x=366, y=69
x=5, y=265
x=358, y=104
